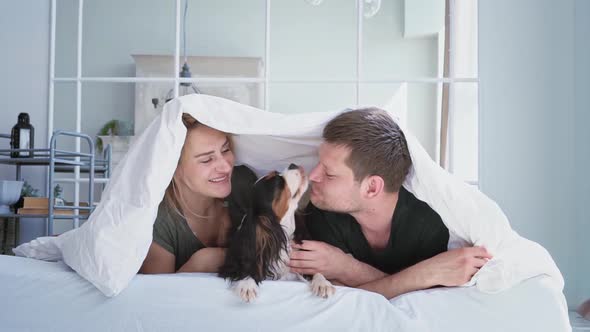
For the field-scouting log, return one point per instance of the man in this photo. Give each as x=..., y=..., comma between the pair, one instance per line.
x=371, y=232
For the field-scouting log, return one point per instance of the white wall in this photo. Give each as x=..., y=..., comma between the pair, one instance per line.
x=530, y=128
x=582, y=146
x=24, y=76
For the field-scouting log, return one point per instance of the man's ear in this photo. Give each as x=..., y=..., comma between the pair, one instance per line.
x=372, y=186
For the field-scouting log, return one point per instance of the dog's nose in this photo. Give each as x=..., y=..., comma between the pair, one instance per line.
x=293, y=166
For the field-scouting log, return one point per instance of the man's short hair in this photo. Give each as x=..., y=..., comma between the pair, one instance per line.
x=377, y=145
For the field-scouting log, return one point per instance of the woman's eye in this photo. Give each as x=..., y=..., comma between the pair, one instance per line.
x=226, y=150
x=329, y=176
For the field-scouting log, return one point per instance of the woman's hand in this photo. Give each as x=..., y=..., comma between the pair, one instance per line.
x=204, y=260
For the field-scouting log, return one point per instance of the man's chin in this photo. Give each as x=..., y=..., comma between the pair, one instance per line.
x=321, y=205
x=327, y=207
x=315, y=201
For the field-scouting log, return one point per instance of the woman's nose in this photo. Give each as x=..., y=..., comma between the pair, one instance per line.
x=224, y=165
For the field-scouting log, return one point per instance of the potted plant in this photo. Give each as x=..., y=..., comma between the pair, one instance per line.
x=26, y=191
x=108, y=129
x=118, y=135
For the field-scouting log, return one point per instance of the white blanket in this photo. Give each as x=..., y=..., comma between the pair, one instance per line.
x=47, y=296
x=108, y=250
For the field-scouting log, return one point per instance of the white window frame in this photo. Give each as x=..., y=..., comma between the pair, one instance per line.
x=266, y=80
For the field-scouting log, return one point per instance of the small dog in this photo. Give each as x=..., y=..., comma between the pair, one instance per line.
x=260, y=245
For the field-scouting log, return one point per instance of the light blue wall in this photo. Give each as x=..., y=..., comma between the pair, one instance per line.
x=582, y=139
x=24, y=66
x=24, y=76
x=530, y=129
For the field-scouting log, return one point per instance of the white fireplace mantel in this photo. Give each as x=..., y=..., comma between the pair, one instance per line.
x=200, y=66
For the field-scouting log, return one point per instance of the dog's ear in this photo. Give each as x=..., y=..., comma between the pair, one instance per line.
x=240, y=199
x=271, y=240
x=240, y=256
x=255, y=249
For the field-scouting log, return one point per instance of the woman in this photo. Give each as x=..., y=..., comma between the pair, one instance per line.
x=190, y=231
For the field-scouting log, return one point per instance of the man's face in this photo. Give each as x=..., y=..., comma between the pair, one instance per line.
x=333, y=187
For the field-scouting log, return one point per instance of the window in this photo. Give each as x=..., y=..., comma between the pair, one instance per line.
x=121, y=59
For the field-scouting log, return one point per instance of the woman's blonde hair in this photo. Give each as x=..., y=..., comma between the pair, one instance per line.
x=171, y=196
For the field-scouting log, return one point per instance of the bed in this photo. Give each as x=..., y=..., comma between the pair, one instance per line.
x=519, y=289
x=49, y=296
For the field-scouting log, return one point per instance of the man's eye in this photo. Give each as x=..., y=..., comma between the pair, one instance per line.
x=329, y=176
x=226, y=150
x=206, y=161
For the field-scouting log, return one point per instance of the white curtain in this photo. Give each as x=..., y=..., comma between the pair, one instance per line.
x=459, y=120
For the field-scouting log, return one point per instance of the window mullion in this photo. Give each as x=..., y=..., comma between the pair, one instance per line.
x=177, y=50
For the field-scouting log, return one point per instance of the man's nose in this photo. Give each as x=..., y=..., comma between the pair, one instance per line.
x=313, y=175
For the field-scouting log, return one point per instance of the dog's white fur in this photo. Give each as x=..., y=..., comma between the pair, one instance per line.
x=320, y=286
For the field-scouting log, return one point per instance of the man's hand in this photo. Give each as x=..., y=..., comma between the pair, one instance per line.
x=454, y=267
x=450, y=268
x=313, y=257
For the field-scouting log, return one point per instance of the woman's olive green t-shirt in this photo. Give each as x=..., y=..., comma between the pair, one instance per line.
x=172, y=232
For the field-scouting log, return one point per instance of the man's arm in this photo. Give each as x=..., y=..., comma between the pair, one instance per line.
x=451, y=268
x=405, y=281
x=312, y=257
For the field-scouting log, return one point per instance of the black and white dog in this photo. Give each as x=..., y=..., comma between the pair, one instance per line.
x=260, y=245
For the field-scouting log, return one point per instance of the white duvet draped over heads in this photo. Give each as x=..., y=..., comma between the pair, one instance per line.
x=109, y=249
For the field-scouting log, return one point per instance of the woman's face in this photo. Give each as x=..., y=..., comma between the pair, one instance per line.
x=206, y=162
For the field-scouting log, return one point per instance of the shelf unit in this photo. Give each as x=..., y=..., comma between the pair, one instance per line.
x=62, y=161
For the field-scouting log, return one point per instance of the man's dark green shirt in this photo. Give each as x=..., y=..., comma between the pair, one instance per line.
x=417, y=233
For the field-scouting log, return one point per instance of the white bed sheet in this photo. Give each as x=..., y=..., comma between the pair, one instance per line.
x=47, y=296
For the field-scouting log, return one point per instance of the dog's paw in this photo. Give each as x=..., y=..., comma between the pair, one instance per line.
x=321, y=287
x=247, y=290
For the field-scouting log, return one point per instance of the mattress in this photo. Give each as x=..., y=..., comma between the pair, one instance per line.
x=49, y=296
